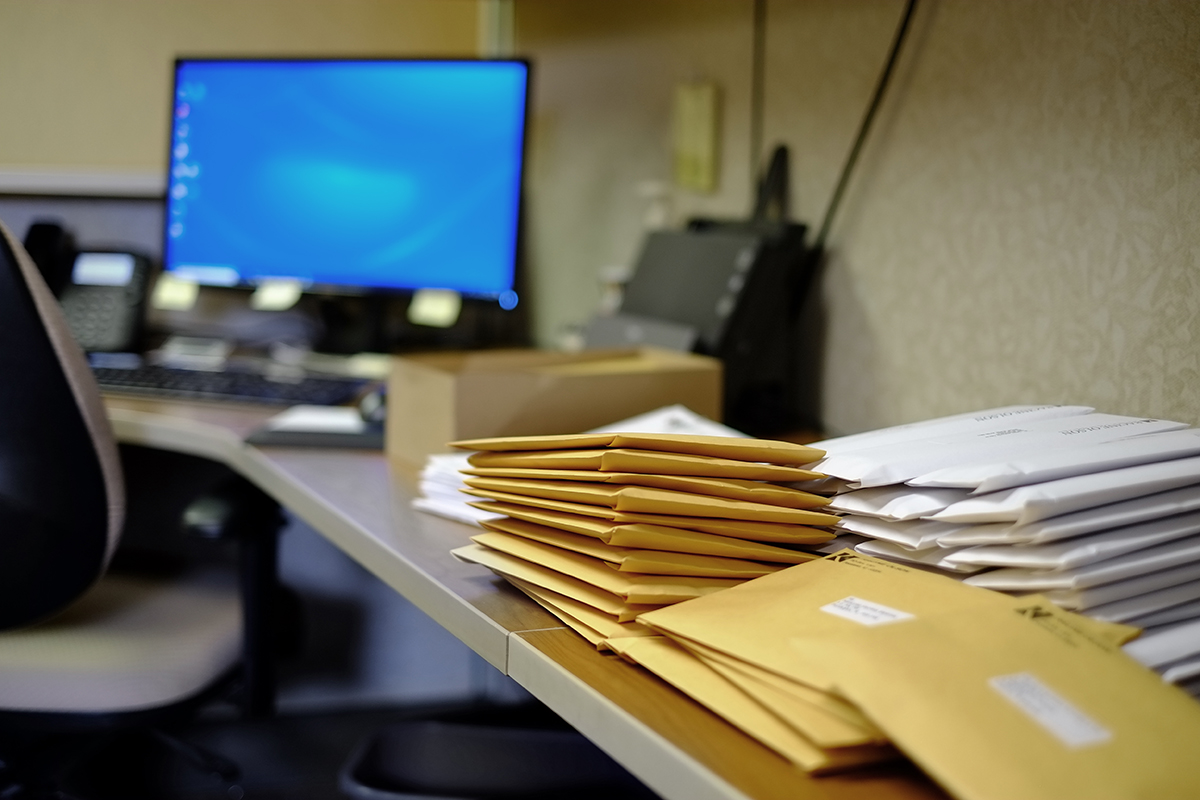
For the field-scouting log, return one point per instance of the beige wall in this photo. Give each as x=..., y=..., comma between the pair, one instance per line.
x=85, y=83
x=1023, y=225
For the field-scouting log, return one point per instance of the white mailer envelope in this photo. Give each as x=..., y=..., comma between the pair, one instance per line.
x=1180, y=613
x=972, y=421
x=1131, y=565
x=1026, y=504
x=1078, y=523
x=1090, y=597
x=898, y=503
x=1083, y=550
x=917, y=534
x=1163, y=647
x=881, y=466
x=1050, y=465
x=929, y=557
x=1141, y=605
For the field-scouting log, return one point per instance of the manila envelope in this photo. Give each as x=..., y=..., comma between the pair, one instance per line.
x=733, y=488
x=762, y=450
x=651, y=537
x=827, y=596
x=645, y=500
x=694, y=678
x=575, y=613
x=516, y=568
x=737, y=528
x=826, y=719
x=643, y=461
x=1019, y=704
x=636, y=589
x=624, y=559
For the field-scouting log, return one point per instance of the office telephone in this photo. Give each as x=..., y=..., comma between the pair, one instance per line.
x=102, y=292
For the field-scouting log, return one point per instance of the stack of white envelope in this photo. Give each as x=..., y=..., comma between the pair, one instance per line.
x=599, y=528
x=1101, y=513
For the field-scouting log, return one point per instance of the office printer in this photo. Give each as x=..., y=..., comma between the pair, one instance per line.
x=732, y=290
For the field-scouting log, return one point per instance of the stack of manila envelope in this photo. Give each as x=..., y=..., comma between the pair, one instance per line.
x=599, y=528
x=1098, y=512
x=851, y=659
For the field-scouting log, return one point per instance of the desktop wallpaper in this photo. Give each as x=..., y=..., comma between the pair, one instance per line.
x=396, y=174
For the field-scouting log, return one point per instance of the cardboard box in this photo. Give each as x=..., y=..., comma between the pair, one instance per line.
x=440, y=397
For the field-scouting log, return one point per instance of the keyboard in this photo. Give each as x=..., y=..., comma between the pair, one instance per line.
x=231, y=385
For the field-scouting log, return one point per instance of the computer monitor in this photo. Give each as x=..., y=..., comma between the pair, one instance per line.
x=347, y=174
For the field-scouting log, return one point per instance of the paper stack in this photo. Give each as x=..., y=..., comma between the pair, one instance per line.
x=599, y=528
x=1099, y=512
x=852, y=659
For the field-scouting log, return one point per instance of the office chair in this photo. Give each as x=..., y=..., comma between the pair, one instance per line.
x=83, y=648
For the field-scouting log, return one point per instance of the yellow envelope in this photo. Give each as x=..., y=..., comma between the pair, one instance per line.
x=751, y=621
x=510, y=567
x=640, y=589
x=646, y=500
x=825, y=719
x=650, y=562
x=643, y=461
x=733, y=488
x=998, y=704
x=687, y=673
x=574, y=613
x=764, y=450
x=650, y=537
x=735, y=528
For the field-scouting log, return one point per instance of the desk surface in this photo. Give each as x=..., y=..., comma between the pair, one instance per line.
x=361, y=502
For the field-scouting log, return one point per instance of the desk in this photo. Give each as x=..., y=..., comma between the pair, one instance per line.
x=361, y=502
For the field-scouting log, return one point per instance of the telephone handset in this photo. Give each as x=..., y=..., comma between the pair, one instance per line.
x=102, y=292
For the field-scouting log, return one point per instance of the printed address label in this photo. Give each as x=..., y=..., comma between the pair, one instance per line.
x=864, y=612
x=1050, y=710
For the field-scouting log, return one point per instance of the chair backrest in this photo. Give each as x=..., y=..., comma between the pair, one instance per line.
x=61, y=492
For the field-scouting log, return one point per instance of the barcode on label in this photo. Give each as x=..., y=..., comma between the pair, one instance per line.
x=1050, y=710
x=864, y=612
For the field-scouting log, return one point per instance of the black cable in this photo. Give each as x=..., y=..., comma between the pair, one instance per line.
x=865, y=126
x=757, y=76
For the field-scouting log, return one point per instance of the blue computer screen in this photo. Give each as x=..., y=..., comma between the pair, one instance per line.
x=387, y=174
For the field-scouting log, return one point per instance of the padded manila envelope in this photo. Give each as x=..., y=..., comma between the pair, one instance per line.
x=651, y=537
x=689, y=674
x=734, y=489
x=640, y=589
x=644, y=500
x=747, y=529
x=512, y=567
x=1023, y=703
x=624, y=559
x=758, y=450
x=833, y=595
x=643, y=461
x=562, y=606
